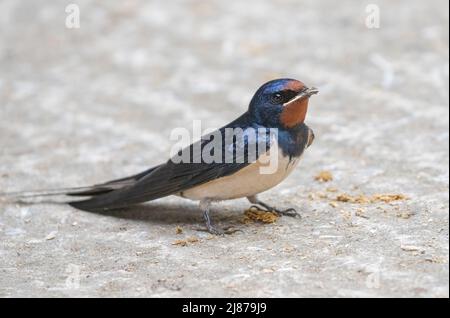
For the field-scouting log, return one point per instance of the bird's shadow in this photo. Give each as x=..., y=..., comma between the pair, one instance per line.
x=170, y=213
x=161, y=212
x=157, y=213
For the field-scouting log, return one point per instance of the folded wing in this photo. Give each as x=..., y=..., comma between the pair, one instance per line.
x=173, y=178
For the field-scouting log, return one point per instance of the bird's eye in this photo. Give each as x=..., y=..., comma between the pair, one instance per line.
x=277, y=98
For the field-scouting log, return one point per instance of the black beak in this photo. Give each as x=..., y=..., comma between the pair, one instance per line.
x=304, y=93
x=307, y=92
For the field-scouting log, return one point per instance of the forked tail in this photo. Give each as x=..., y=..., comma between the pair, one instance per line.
x=74, y=192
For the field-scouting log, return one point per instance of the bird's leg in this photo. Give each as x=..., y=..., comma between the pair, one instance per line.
x=205, y=206
x=258, y=204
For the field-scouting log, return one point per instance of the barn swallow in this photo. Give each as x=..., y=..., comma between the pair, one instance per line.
x=279, y=105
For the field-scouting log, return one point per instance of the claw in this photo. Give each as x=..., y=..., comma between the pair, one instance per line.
x=230, y=230
x=291, y=212
x=216, y=231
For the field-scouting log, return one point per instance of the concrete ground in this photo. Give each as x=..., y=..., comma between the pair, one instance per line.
x=82, y=106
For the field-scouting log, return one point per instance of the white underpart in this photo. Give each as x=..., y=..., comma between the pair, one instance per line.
x=246, y=182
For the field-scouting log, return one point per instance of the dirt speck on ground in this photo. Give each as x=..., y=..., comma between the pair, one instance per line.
x=324, y=176
x=253, y=214
x=186, y=241
x=364, y=199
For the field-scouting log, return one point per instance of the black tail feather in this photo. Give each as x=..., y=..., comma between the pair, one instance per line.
x=91, y=191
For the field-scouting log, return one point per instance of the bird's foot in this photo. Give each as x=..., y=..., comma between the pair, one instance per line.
x=291, y=212
x=219, y=232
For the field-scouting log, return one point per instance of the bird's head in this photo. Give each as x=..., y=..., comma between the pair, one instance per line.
x=281, y=103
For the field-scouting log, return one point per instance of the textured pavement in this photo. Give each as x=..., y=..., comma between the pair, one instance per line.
x=82, y=106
